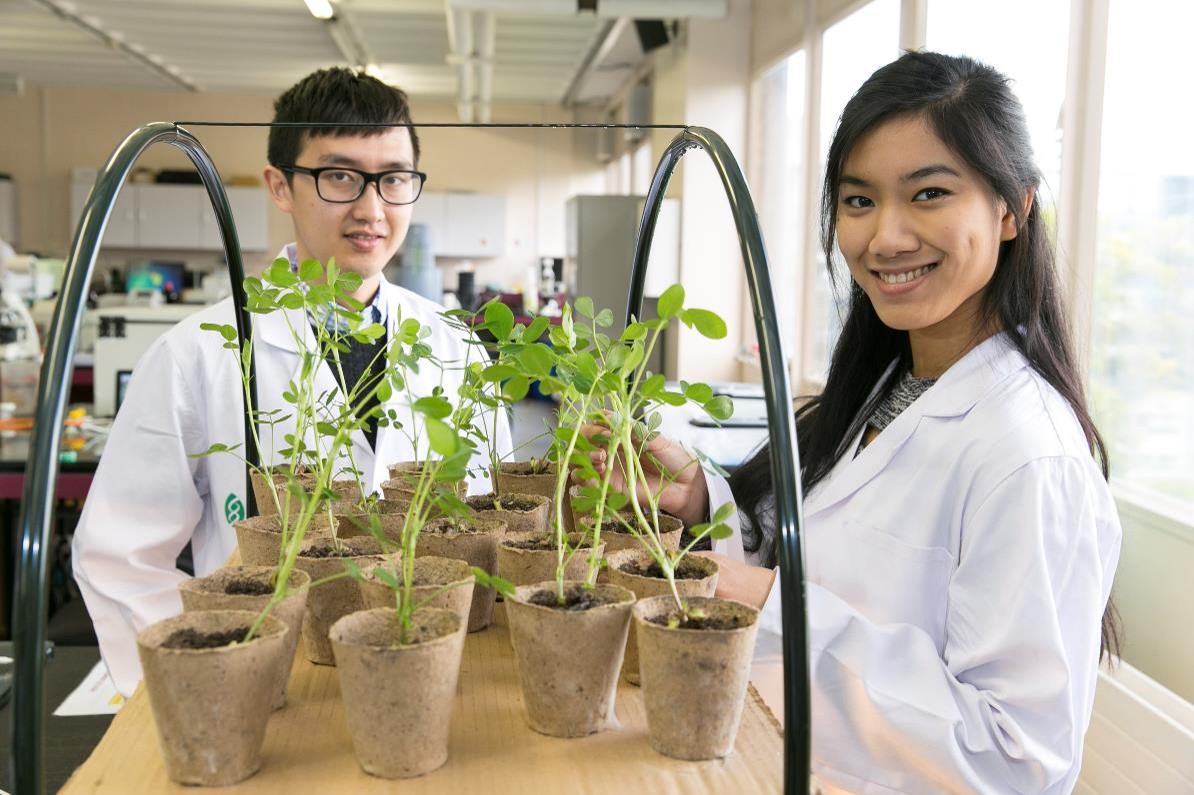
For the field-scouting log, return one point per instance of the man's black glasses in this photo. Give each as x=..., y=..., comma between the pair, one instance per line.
x=341, y=185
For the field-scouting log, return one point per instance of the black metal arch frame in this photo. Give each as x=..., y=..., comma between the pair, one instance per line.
x=30, y=605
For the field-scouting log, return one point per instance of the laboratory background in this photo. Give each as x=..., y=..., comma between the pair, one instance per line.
x=538, y=215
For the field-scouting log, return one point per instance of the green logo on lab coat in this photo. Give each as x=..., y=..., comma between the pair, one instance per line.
x=234, y=509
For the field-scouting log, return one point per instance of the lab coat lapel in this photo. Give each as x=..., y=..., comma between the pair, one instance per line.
x=954, y=394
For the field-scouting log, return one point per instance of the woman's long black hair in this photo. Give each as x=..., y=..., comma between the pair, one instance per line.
x=973, y=111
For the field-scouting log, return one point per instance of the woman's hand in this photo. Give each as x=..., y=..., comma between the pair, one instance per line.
x=740, y=581
x=686, y=494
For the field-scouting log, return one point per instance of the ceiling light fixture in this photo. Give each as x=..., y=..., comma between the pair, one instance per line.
x=321, y=9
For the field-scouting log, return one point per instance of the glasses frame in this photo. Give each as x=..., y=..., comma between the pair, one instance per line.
x=369, y=178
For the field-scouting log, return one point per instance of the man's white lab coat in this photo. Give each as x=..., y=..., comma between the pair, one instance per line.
x=148, y=498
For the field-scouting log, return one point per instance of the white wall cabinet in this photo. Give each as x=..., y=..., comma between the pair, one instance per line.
x=463, y=224
x=176, y=217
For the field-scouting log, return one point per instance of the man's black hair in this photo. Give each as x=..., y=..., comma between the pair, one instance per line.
x=336, y=96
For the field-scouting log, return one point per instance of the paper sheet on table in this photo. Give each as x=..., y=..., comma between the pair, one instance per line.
x=96, y=695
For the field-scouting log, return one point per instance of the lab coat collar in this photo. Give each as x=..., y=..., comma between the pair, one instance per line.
x=954, y=394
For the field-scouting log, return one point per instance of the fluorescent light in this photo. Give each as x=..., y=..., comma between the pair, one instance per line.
x=320, y=9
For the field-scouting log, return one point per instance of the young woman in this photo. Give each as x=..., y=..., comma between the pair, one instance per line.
x=960, y=538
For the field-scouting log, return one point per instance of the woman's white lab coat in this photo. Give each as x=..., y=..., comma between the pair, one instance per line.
x=957, y=570
x=149, y=498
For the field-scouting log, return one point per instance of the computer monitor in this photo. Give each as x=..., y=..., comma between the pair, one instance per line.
x=163, y=277
x=122, y=385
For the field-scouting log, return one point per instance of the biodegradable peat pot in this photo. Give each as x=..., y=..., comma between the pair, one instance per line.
x=399, y=699
x=615, y=538
x=356, y=524
x=475, y=542
x=240, y=588
x=432, y=576
x=211, y=705
x=522, y=513
x=518, y=477
x=636, y=571
x=345, y=491
x=260, y=537
x=694, y=680
x=528, y=558
x=568, y=660
x=331, y=601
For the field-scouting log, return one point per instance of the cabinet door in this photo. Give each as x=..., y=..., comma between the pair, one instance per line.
x=475, y=226
x=430, y=211
x=121, y=231
x=168, y=216
x=249, y=211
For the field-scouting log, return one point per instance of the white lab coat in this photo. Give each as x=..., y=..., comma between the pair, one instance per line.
x=957, y=571
x=148, y=498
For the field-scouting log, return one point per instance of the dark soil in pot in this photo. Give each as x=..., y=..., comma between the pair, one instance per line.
x=260, y=537
x=522, y=513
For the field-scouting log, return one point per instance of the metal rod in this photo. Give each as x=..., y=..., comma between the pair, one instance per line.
x=32, y=594
x=785, y=467
x=444, y=124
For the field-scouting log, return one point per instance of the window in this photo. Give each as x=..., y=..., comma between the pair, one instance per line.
x=1032, y=54
x=778, y=180
x=1142, y=344
x=852, y=50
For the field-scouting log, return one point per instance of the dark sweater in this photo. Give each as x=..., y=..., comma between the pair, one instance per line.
x=354, y=364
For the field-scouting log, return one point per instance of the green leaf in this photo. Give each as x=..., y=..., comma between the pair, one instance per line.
x=699, y=393
x=310, y=270
x=672, y=398
x=652, y=386
x=279, y=274
x=671, y=302
x=443, y=439
x=291, y=301
x=347, y=282
x=386, y=578
x=537, y=359
x=720, y=532
x=487, y=580
x=516, y=388
x=584, y=306
x=720, y=407
x=635, y=331
x=535, y=331
x=604, y=319
x=499, y=319
x=724, y=512
x=225, y=331
x=218, y=447
x=354, y=571
x=435, y=407
x=498, y=372
x=709, y=324
x=370, y=333
x=325, y=428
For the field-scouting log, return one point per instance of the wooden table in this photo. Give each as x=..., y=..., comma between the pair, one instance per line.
x=307, y=746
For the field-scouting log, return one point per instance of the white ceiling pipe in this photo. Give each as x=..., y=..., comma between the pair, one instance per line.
x=637, y=9
x=485, y=32
x=460, y=41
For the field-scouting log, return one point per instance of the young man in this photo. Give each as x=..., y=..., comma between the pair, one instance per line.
x=349, y=192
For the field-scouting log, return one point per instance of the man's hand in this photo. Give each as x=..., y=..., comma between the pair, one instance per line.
x=740, y=581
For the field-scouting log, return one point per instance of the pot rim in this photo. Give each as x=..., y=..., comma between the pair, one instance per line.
x=644, y=608
x=196, y=584
x=538, y=499
x=367, y=572
x=390, y=613
x=272, y=627
x=474, y=527
x=523, y=592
